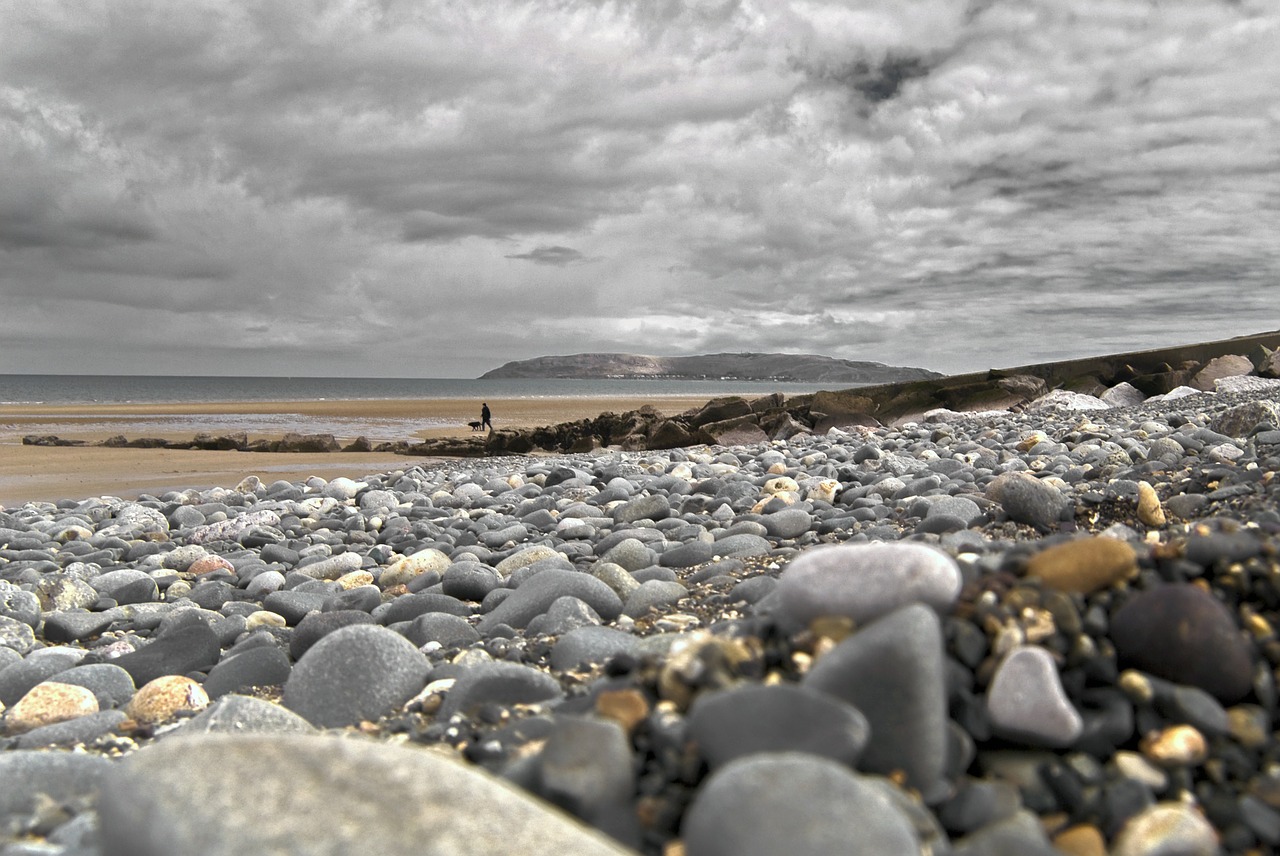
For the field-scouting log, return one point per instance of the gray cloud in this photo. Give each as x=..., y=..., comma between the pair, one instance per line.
x=940, y=183
x=556, y=256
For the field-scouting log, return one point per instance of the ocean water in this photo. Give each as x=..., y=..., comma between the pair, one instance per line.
x=71, y=390
x=150, y=389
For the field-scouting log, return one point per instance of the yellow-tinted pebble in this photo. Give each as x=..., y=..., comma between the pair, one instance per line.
x=1249, y=725
x=264, y=618
x=163, y=698
x=1083, y=840
x=1149, y=509
x=355, y=579
x=1085, y=565
x=1175, y=746
x=49, y=703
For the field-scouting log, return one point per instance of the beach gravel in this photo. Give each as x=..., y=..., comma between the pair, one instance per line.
x=969, y=634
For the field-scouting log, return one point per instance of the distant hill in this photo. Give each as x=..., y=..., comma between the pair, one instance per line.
x=784, y=368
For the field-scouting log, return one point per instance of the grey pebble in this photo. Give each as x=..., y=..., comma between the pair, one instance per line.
x=358, y=672
x=893, y=672
x=1026, y=701
x=322, y=795
x=732, y=723
x=793, y=803
x=536, y=595
x=498, y=683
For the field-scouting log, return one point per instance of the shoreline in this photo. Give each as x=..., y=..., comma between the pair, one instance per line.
x=53, y=473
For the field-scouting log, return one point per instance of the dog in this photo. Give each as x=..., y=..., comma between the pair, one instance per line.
x=475, y=426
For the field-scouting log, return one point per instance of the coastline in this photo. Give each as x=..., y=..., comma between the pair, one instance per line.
x=52, y=473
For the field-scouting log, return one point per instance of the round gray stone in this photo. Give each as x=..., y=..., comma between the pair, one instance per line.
x=358, y=672
x=865, y=581
x=793, y=803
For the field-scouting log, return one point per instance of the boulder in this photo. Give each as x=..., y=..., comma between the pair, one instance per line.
x=1228, y=365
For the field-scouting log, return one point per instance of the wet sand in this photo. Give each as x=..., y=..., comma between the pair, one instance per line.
x=51, y=473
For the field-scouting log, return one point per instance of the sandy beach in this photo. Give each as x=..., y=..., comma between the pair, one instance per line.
x=51, y=473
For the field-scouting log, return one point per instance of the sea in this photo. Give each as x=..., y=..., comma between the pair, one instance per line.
x=33, y=390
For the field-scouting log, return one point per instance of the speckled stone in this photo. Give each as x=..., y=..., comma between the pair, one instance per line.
x=47, y=703
x=1084, y=565
x=1182, y=633
x=163, y=698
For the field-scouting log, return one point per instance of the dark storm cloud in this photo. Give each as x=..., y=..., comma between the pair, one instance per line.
x=901, y=182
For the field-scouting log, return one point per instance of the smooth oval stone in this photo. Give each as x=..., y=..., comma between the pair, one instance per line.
x=1182, y=633
x=239, y=714
x=64, y=777
x=262, y=666
x=865, y=581
x=314, y=794
x=318, y=625
x=793, y=803
x=538, y=592
x=498, y=683
x=49, y=703
x=653, y=594
x=788, y=523
x=586, y=768
x=68, y=626
x=1167, y=829
x=450, y=631
x=166, y=697
x=893, y=672
x=18, y=678
x=591, y=645
x=188, y=648
x=1085, y=565
x=650, y=507
x=1026, y=701
x=112, y=685
x=784, y=718
x=359, y=672
x=1028, y=500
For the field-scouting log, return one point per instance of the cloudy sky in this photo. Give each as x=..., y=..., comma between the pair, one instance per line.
x=429, y=188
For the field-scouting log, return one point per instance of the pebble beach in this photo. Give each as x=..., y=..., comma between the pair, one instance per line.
x=1041, y=632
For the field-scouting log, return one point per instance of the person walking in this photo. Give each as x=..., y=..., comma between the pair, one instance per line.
x=485, y=417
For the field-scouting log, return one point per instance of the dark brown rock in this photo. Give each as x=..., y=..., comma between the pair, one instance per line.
x=1182, y=633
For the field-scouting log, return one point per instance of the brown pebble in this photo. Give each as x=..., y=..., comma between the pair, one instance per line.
x=1085, y=565
x=1083, y=840
x=1175, y=746
x=49, y=703
x=1149, y=510
x=163, y=698
x=626, y=707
